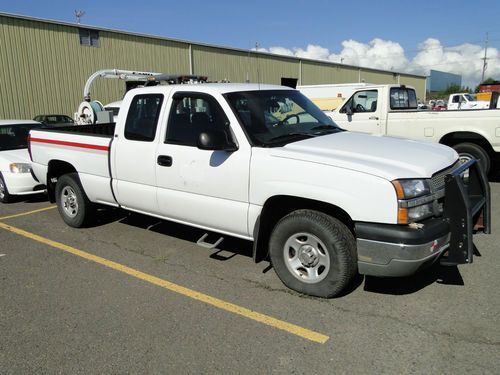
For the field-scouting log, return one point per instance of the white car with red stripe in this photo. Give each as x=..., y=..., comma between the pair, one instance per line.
x=263, y=163
x=15, y=163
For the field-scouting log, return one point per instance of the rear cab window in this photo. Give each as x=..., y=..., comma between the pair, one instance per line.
x=402, y=98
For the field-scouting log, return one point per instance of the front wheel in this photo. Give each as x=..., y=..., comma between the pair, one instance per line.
x=5, y=197
x=74, y=207
x=468, y=151
x=313, y=253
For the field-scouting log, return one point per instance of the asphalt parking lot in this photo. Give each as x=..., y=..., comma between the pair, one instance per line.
x=137, y=295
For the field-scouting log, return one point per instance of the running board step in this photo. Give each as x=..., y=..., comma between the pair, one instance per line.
x=208, y=245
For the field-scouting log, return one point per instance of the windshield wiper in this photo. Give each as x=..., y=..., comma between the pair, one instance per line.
x=325, y=129
x=293, y=137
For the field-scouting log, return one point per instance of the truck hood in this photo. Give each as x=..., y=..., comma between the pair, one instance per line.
x=13, y=156
x=386, y=157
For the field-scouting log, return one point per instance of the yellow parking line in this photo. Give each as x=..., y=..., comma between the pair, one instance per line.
x=28, y=213
x=223, y=305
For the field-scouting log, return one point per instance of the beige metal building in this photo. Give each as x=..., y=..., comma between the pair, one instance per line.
x=44, y=65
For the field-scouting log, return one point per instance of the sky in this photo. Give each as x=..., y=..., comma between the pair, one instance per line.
x=399, y=35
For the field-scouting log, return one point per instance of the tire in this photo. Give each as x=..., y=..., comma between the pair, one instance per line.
x=5, y=197
x=313, y=253
x=468, y=151
x=74, y=207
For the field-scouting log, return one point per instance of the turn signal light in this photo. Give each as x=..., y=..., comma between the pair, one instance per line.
x=402, y=216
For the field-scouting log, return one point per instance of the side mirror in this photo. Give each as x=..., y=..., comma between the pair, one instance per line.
x=216, y=140
x=348, y=111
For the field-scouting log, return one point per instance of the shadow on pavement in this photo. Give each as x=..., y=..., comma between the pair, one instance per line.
x=226, y=250
x=448, y=275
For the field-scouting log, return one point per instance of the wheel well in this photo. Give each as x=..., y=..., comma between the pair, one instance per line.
x=453, y=139
x=56, y=169
x=279, y=206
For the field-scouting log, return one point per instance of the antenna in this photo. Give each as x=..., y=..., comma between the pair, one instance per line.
x=79, y=14
x=485, y=64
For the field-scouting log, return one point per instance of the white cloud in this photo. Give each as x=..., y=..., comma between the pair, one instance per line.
x=465, y=59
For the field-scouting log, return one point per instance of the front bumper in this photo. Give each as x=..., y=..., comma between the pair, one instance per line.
x=22, y=183
x=396, y=250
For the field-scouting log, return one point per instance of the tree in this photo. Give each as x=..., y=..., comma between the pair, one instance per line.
x=489, y=81
x=453, y=88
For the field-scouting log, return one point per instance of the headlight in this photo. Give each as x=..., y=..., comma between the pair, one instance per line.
x=20, y=168
x=420, y=212
x=415, y=201
x=407, y=189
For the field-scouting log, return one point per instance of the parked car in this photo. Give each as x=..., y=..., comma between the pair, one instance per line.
x=15, y=165
x=54, y=120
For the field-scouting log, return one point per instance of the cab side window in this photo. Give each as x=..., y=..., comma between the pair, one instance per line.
x=362, y=101
x=192, y=114
x=142, y=117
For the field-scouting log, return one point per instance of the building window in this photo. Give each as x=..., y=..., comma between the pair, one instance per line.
x=89, y=37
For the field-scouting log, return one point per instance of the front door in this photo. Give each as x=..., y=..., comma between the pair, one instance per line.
x=202, y=187
x=361, y=113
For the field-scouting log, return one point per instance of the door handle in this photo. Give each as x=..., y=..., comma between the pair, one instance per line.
x=373, y=118
x=164, y=160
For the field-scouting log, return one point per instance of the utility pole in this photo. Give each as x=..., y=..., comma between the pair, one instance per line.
x=485, y=64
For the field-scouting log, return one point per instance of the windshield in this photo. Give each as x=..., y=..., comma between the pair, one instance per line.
x=13, y=137
x=277, y=117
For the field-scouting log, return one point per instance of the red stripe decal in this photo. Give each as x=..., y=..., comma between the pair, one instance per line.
x=71, y=144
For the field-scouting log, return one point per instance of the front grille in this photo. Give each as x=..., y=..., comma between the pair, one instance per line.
x=437, y=180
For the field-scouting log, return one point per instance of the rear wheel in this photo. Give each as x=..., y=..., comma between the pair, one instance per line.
x=5, y=197
x=468, y=151
x=313, y=253
x=74, y=207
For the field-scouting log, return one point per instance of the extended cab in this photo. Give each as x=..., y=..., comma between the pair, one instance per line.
x=263, y=163
x=392, y=110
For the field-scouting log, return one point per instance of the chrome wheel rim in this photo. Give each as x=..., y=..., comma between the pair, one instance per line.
x=464, y=158
x=306, y=257
x=69, y=201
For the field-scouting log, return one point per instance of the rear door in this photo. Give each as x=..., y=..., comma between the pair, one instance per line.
x=201, y=187
x=134, y=154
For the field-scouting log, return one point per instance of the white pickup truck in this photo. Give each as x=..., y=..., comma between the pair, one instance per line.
x=263, y=163
x=392, y=110
x=465, y=100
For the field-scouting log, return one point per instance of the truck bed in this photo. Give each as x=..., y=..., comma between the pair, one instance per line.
x=106, y=130
x=84, y=148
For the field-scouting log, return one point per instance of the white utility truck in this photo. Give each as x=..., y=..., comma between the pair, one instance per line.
x=465, y=100
x=392, y=110
x=93, y=112
x=263, y=163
